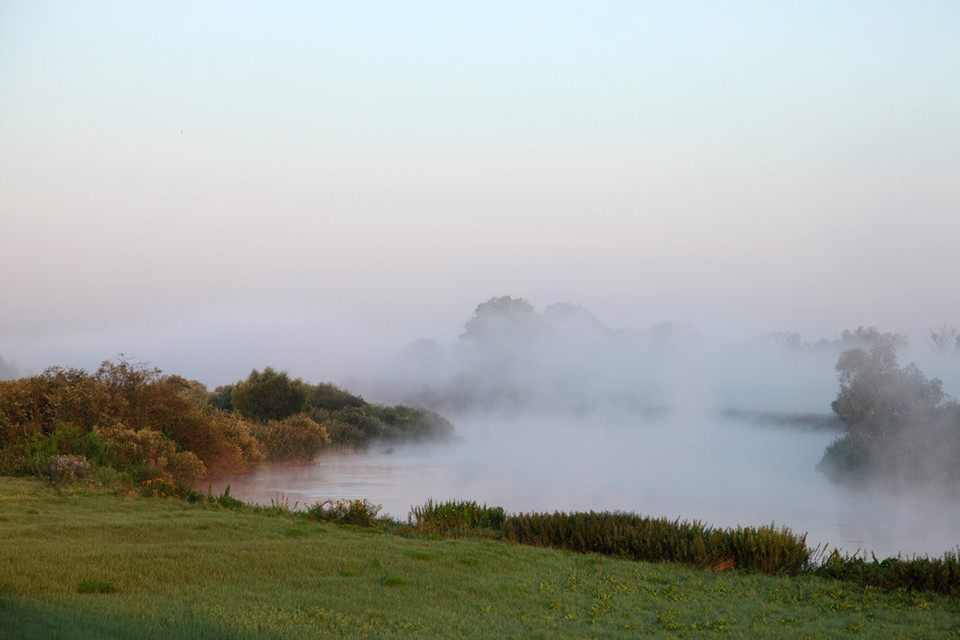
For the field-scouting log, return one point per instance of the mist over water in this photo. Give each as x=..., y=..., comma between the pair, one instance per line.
x=556, y=411
x=725, y=472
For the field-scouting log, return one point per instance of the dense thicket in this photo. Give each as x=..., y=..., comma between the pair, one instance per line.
x=901, y=425
x=139, y=424
x=126, y=417
x=273, y=398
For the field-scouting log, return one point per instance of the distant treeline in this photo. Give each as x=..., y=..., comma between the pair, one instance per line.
x=131, y=423
x=512, y=358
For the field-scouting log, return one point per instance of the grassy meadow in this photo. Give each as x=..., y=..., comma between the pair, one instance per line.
x=76, y=563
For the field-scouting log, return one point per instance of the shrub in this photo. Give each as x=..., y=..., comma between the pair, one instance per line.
x=345, y=434
x=126, y=416
x=364, y=419
x=332, y=398
x=221, y=441
x=412, y=425
x=361, y=513
x=149, y=453
x=161, y=488
x=297, y=438
x=66, y=469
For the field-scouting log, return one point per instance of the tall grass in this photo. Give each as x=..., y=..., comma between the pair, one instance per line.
x=361, y=513
x=767, y=549
x=938, y=575
x=456, y=517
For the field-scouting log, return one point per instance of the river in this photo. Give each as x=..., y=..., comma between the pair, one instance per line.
x=724, y=472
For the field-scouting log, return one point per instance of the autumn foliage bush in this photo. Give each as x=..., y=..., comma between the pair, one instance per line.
x=126, y=416
x=142, y=424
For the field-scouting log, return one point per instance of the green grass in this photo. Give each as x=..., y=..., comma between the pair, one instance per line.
x=163, y=568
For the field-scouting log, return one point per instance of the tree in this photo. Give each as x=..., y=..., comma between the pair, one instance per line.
x=879, y=396
x=868, y=337
x=270, y=395
x=902, y=425
x=500, y=322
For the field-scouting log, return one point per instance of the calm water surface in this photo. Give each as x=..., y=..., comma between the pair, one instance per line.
x=723, y=472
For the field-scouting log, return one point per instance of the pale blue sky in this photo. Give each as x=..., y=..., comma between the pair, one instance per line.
x=228, y=180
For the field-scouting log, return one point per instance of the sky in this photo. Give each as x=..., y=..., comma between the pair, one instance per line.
x=216, y=186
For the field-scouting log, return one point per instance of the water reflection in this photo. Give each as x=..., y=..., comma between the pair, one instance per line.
x=726, y=474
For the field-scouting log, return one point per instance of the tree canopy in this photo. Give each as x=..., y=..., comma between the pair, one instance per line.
x=902, y=426
x=270, y=395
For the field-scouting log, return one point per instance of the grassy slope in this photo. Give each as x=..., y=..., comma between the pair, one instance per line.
x=190, y=571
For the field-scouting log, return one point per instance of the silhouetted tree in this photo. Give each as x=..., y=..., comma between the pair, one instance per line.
x=868, y=337
x=877, y=395
x=902, y=427
x=500, y=322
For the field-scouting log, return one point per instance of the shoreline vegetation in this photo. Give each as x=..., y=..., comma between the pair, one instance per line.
x=129, y=423
x=78, y=561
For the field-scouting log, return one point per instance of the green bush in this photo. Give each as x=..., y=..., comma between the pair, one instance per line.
x=331, y=398
x=270, y=395
x=297, y=438
x=345, y=435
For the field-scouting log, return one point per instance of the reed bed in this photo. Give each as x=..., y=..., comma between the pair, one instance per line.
x=938, y=575
x=771, y=550
x=767, y=549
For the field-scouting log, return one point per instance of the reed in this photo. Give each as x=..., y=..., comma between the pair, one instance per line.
x=938, y=575
x=456, y=517
x=768, y=549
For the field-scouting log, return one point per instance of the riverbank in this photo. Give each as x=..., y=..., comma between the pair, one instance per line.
x=83, y=564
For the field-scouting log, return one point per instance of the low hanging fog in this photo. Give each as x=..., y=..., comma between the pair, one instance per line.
x=554, y=410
